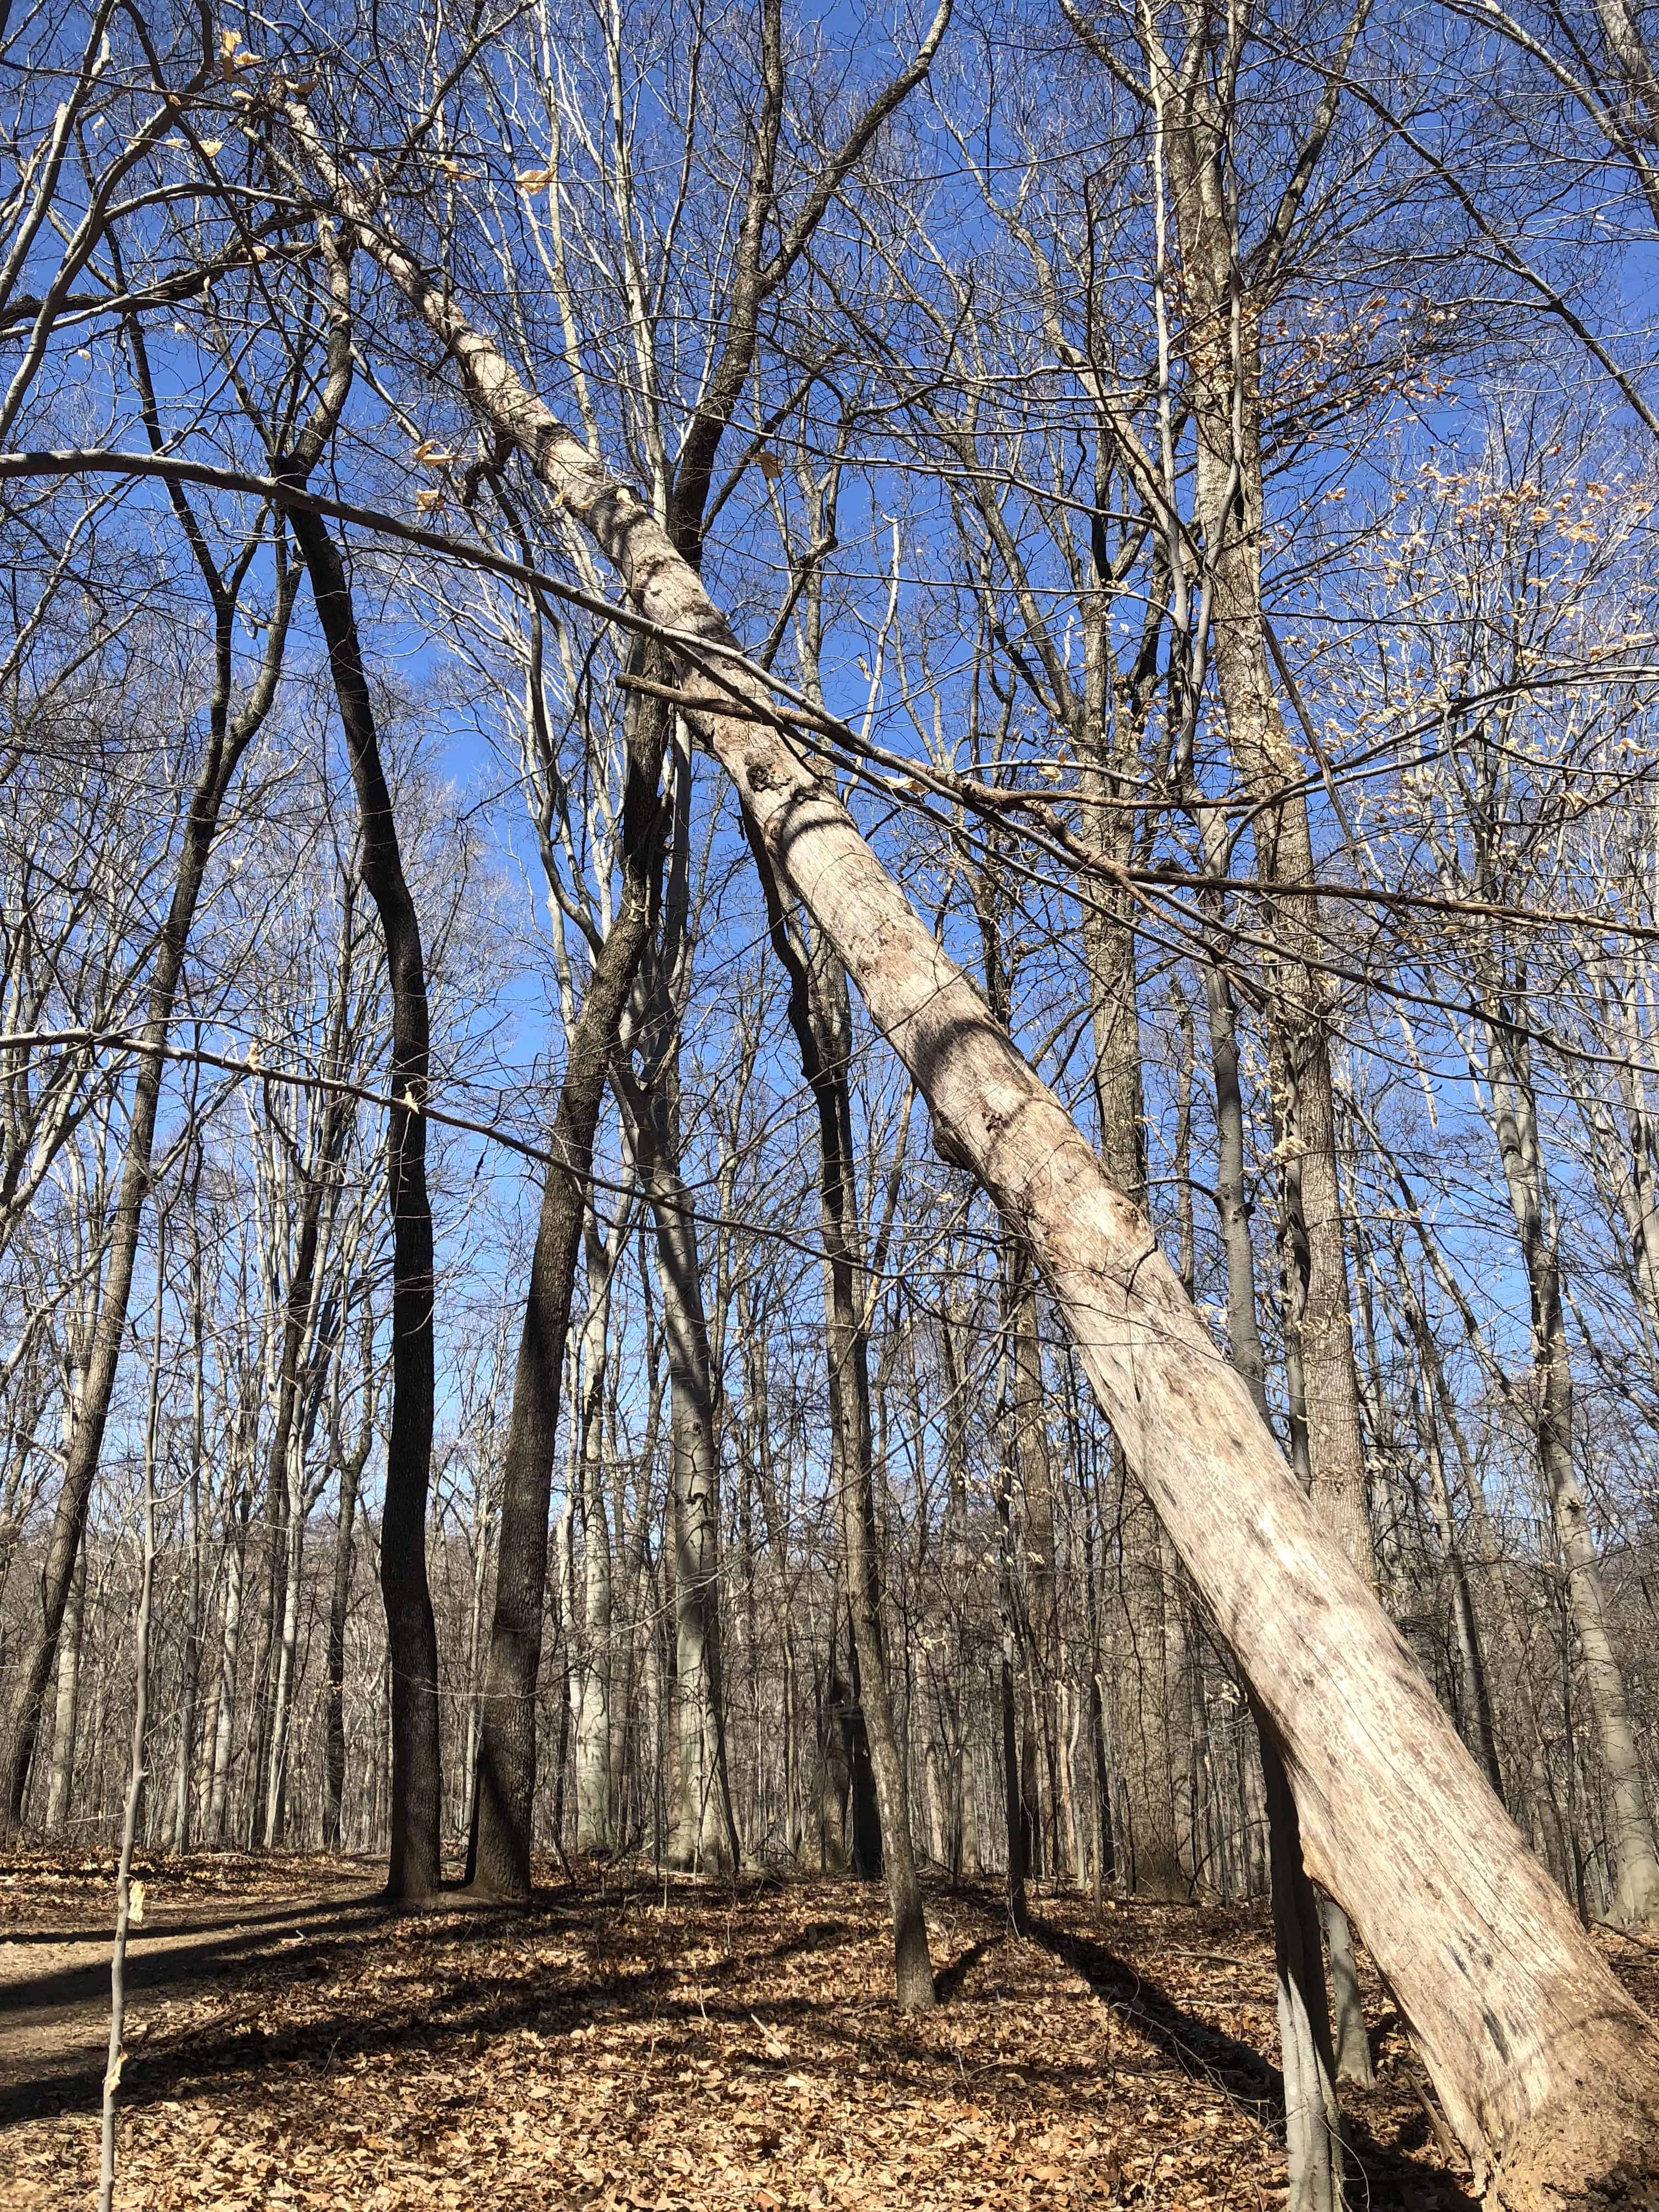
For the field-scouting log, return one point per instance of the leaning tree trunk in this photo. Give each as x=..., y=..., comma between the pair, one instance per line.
x=1548, y=2071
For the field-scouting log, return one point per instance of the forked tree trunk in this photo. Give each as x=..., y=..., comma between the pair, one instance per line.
x=1548, y=2071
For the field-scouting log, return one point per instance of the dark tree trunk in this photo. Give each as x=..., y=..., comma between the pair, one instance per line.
x=820, y=1014
x=504, y=1802
x=414, y=1873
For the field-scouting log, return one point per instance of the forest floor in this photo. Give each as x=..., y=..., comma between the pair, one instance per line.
x=291, y=2043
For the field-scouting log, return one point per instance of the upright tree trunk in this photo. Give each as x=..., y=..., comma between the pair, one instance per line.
x=190, y=1669
x=60, y=1783
x=704, y=1827
x=351, y=1466
x=230, y=1643
x=281, y=1472
x=1143, y=1730
x=1312, y=2120
x=955, y=1697
x=1635, y=1864
x=414, y=1868
x=1040, y=1751
x=1308, y=2058
x=506, y=1788
x=820, y=1014
x=294, y=1532
x=594, y=1718
x=1548, y=2071
x=1221, y=339
x=1475, y=1692
x=228, y=739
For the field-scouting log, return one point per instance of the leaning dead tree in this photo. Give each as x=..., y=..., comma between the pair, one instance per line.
x=1548, y=2073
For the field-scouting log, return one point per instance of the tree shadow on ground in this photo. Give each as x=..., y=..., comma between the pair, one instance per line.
x=1251, y=2080
x=706, y=2000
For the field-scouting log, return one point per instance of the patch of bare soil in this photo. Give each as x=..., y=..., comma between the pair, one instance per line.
x=291, y=2042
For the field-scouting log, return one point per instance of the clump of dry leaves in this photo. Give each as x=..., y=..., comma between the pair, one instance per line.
x=632, y=2044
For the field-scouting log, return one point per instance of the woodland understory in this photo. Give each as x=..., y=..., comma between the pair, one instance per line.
x=633, y=2044
x=830, y=1103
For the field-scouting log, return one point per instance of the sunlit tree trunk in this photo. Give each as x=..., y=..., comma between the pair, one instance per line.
x=1548, y=2071
x=1515, y=1123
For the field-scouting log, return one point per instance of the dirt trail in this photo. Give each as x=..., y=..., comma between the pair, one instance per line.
x=55, y=1964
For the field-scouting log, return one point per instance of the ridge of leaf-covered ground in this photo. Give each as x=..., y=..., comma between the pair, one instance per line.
x=641, y=2047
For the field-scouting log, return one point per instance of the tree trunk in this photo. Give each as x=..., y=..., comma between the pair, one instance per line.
x=820, y=1014
x=229, y=739
x=281, y=1472
x=1040, y=1752
x=293, y=1531
x=506, y=1754
x=704, y=1829
x=1312, y=2121
x=1635, y=1864
x=595, y=1720
x=60, y=1780
x=1548, y=2071
x=1309, y=2060
x=1475, y=1695
x=230, y=1644
x=190, y=1670
x=414, y=1868
x=339, y=1605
